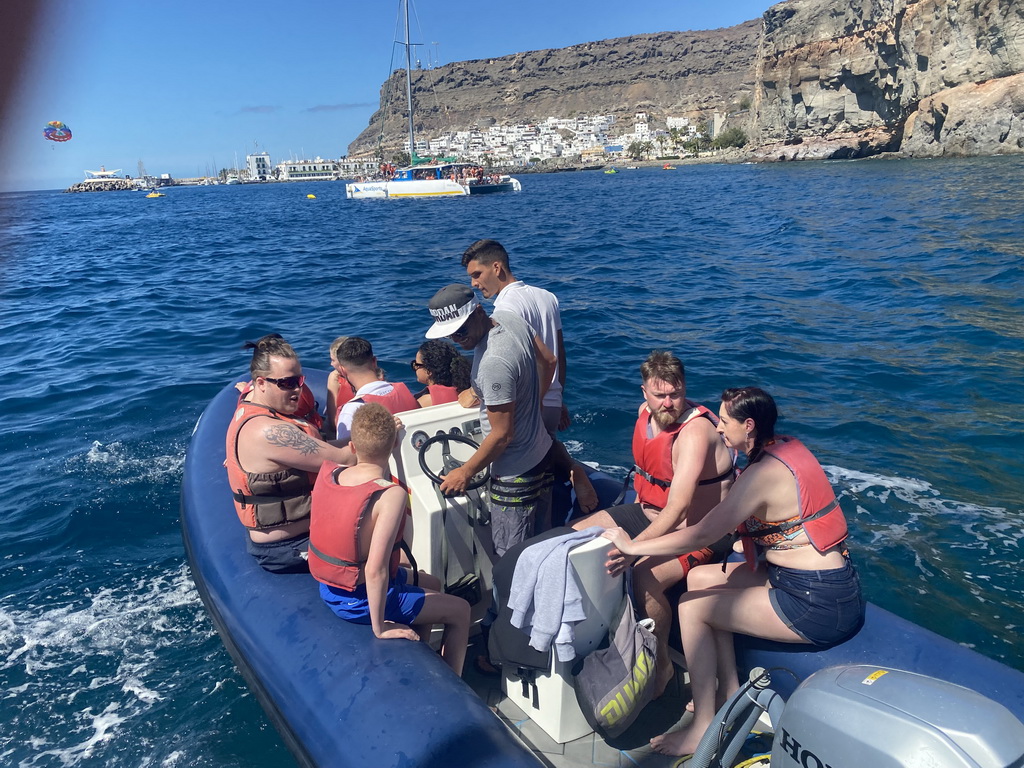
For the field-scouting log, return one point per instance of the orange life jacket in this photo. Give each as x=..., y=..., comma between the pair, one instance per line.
x=652, y=457
x=338, y=512
x=267, y=499
x=821, y=517
x=307, y=408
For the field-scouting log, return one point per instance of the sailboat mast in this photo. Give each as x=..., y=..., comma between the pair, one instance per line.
x=408, y=83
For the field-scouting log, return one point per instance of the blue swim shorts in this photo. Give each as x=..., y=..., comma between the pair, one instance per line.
x=823, y=607
x=402, y=604
x=284, y=556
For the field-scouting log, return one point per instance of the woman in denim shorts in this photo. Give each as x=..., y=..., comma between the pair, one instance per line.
x=798, y=584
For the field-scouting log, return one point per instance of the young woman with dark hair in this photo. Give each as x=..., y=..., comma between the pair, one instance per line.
x=443, y=371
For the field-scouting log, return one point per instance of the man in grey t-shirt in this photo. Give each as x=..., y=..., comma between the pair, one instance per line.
x=511, y=368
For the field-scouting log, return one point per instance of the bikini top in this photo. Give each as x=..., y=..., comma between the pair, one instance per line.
x=776, y=536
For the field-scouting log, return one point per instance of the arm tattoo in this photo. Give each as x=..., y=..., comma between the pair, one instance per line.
x=288, y=436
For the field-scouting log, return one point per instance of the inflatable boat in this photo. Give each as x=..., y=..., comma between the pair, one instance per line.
x=340, y=697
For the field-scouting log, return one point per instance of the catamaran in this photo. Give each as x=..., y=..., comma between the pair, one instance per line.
x=446, y=179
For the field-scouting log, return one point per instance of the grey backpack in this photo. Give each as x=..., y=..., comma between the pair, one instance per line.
x=614, y=682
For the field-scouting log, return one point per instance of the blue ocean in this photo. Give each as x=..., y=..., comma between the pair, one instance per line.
x=880, y=302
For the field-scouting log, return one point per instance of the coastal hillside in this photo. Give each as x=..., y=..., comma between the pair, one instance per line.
x=824, y=78
x=674, y=73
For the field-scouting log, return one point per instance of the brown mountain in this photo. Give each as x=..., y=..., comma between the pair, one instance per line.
x=827, y=78
x=667, y=73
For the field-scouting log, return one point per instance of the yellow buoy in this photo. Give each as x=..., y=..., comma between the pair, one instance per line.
x=311, y=197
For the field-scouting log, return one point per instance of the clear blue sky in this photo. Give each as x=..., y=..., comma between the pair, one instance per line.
x=184, y=85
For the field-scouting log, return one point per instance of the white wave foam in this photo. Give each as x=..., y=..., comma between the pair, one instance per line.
x=121, y=465
x=106, y=660
x=910, y=520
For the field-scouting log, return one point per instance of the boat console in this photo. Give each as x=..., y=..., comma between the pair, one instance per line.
x=450, y=538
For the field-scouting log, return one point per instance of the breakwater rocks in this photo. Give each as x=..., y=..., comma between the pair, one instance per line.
x=825, y=79
x=105, y=185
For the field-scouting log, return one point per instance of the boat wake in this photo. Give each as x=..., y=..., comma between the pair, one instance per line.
x=103, y=656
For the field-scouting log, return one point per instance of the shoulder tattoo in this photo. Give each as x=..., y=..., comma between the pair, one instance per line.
x=287, y=436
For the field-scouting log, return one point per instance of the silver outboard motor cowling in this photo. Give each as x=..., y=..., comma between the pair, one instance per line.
x=857, y=716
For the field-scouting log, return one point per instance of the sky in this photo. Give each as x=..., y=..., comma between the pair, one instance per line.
x=185, y=86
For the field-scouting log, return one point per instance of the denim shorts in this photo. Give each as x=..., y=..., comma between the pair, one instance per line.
x=823, y=607
x=402, y=604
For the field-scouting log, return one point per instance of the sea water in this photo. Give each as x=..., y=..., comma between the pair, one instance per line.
x=880, y=302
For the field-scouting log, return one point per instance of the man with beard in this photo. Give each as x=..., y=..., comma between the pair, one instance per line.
x=683, y=470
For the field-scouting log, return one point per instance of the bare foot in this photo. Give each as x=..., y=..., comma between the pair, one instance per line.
x=681, y=742
x=586, y=496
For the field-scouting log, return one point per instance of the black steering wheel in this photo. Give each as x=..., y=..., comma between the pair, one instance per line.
x=449, y=461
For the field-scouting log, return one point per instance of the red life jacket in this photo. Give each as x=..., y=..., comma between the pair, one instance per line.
x=397, y=400
x=345, y=391
x=821, y=517
x=652, y=457
x=440, y=394
x=338, y=512
x=267, y=499
x=307, y=405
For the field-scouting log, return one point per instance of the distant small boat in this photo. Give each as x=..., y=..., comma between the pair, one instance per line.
x=667, y=167
x=632, y=167
x=156, y=194
x=610, y=170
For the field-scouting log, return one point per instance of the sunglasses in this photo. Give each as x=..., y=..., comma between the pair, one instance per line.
x=289, y=382
x=462, y=333
x=416, y=366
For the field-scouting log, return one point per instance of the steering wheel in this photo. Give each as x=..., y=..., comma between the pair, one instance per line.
x=449, y=461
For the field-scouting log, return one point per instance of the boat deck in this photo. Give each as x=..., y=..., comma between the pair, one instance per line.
x=627, y=751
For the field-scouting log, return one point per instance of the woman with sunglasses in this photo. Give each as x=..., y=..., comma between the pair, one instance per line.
x=798, y=584
x=443, y=371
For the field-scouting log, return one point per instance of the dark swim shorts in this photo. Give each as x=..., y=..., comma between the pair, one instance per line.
x=823, y=607
x=285, y=556
x=630, y=518
x=402, y=604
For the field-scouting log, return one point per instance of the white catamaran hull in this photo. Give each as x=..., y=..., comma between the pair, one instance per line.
x=414, y=188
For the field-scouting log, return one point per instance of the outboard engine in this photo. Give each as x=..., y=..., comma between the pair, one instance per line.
x=855, y=716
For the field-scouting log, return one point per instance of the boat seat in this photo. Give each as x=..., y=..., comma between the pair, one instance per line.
x=550, y=701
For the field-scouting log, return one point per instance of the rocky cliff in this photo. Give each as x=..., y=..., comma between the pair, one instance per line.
x=827, y=78
x=921, y=77
x=668, y=73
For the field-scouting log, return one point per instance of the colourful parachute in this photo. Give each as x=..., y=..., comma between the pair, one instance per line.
x=55, y=130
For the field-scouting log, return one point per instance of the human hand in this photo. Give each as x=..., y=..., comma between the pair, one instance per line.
x=617, y=556
x=586, y=496
x=564, y=422
x=468, y=398
x=399, y=426
x=393, y=631
x=455, y=481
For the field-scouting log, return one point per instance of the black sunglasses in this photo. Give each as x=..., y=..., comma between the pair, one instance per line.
x=289, y=382
x=416, y=366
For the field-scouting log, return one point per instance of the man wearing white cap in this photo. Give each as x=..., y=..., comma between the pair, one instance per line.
x=505, y=377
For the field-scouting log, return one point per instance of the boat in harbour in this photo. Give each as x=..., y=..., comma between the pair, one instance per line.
x=448, y=179
x=341, y=697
